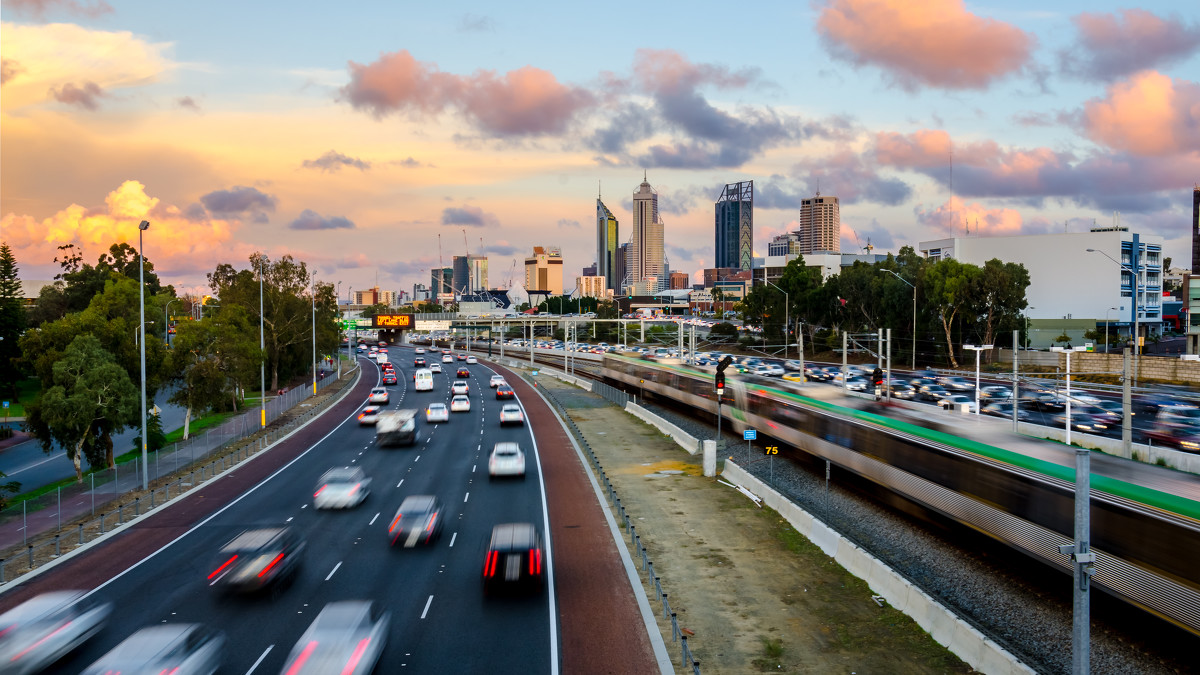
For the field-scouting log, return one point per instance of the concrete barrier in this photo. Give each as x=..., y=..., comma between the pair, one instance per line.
x=943, y=625
x=684, y=439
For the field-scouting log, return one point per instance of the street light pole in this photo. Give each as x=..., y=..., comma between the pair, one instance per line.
x=978, y=349
x=167, y=322
x=1137, y=347
x=314, y=334
x=142, y=227
x=336, y=352
x=786, y=319
x=914, y=322
x=262, y=348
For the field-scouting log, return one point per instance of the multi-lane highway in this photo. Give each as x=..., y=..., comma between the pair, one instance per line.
x=440, y=619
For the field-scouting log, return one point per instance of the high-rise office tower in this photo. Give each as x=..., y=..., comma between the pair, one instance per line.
x=1196, y=230
x=607, y=241
x=735, y=225
x=470, y=273
x=820, y=225
x=543, y=270
x=441, y=281
x=622, y=266
x=646, y=249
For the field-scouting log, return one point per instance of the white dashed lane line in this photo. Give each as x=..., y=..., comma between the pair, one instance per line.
x=452, y=538
x=427, y=604
x=400, y=483
x=333, y=571
x=374, y=519
x=260, y=659
x=466, y=497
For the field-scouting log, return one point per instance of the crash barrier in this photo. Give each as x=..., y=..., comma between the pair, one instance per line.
x=687, y=659
x=25, y=530
x=947, y=628
x=611, y=394
x=684, y=439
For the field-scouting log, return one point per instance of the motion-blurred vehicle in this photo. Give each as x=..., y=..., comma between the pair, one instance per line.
x=460, y=388
x=472, y=360
x=506, y=459
x=462, y=372
x=767, y=370
x=956, y=383
x=995, y=392
x=41, y=630
x=460, y=403
x=1177, y=426
x=171, y=648
x=396, y=427
x=792, y=364
x=1087, y=421
x=903, y=391
x=346, y=638
x=435, y=368
x=857, y=384
x=1005, y=409
x=446, y=358
x=932, y=392
x=437, y=412
x=341, y=488
x=795, y=377
x=264, y=559
x=378, y=395
x=389, y=379
x=417, y=521
x=419, y=362
x=510, y=413
x=496, y=381
x=369, y=415
x=514, y=559
x=505, y=391
x=462, y=357
x=958, y=402
x=419, y=350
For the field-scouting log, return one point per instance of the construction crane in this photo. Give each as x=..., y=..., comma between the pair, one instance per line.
x=511, y=273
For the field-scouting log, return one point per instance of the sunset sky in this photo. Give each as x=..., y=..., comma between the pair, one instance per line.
x=351, y=135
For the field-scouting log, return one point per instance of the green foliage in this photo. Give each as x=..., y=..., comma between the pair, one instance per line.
x=213, y=357
x=12, y=320
x=372, y=311
x=723, y=329
x=1064, y=338
x=156, y=439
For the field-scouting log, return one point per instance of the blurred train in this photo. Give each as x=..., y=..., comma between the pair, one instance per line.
x=1146, y=541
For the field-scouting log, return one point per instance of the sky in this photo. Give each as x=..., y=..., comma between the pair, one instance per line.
x=376, y=140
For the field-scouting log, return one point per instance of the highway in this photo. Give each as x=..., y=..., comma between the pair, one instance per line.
x=440, y=620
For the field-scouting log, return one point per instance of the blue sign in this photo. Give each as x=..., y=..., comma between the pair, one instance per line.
x=750, y=435
x=535, y=372
x=6, y=404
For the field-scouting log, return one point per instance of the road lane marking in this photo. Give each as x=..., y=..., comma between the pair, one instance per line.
x=333, y=571
x=373, y=519
x=452, y=538
x=466, y=497
x=400, y=483
x=417, y=459
x=427, y=604
x=260, y=659
x=289, y=519
x=473, y=467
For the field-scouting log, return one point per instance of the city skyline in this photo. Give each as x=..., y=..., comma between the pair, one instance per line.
x=354, y=155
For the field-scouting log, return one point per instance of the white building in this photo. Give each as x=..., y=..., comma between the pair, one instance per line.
x=544, y=270
x=1067, y=282
x=593, y=287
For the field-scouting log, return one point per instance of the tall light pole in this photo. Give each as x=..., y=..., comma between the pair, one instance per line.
x=337, y=353
x=167, y=322
x=1080, y=551
x=914, y=326
x=142, y=227
x=977, y=349
x=314, y=333
x=262, y=348
x=1106, y=327
x=787, y=327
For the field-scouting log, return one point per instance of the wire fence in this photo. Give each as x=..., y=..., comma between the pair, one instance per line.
x=687, y=658
x=610, y=393
x=25, y=527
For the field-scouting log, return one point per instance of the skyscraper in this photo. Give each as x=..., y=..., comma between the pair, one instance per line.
x=622, y=266
x=1196, y=230
x=607, y=240
x=646, y=250
x=820, y=225
x=441, y=281
x=543, y=270
x=470, y=273
x=735, y=225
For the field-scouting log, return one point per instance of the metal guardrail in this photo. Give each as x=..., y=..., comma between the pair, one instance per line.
x=610, y=393
x=687, y=658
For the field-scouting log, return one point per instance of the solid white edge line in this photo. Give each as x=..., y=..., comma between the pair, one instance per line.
x=427, y=604
x=333, y=571
x=260, y=659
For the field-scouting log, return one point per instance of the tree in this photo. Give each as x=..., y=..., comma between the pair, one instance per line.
x=606, y=309
x=213, y=358
x=12, y=319
x=372, y=311
x=91, y=397
x=998, y=296
x=948, y=291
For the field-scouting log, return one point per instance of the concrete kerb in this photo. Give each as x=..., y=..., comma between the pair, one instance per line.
x=8, y=585
x=964, y=640
x=685, y=440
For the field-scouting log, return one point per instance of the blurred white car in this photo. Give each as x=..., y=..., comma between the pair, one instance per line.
x=437, y=412
x=496, y=381
x=378, y=395
x=419, y=350
x=472, y=359
x=347, y=637
x=958, y=401
x=369, y=415
x=460, y=404
x=511, y=413
x=506, y=459
x=43, y=629
x=435, y=368
x=446, y=358
x=460, y=388
x=341, y=488
x=176, y=648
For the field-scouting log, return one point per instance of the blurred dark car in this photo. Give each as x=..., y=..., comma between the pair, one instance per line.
x=346, y=638
x=932, y=392
x=1088, y=422
x=1045, y=401
x=389, y=378
x=41, y=630
x=419, y=362
x=505, y=391
x=265, y=559
x=955, y=383
x=462, y=372
x=172, y=648
x=903, y=391
x=514, y=559
x=417, y=521
x=1005, y=409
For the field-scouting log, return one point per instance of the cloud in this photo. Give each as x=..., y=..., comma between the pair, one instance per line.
x=39, y=8
x=8, y=70
x=630, y=124
x=188, y=102
x=408, y=163
x=311, y=220
x=333, y=161
x=567, y=222
x=874, y=234
x=852, y=179
x=472, y=216
x=175, y=241
x=956, y=216
x=474, y=23
x=1110, y=46
x=85, y=96
x=524, y=102
x=240, y=201
x=934, y=43
x=1148, y=114
x=502, y=247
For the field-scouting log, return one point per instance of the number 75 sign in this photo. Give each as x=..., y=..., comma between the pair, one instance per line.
x=772, y=449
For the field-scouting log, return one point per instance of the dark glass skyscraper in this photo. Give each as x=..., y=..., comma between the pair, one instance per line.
x=1196, y=230
x=607, y=237
x=735, y=226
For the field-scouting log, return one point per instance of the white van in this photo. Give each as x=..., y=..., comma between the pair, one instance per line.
x=423, y=379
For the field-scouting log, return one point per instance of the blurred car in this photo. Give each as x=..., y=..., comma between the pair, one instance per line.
x=417, y=521
x=389, y=378
x=510, y=413
x=378, y=395
x=931, y=392
x=446, y=358
x=767, y=370
x=419, y=350
x=792, y=364
x=816, y=373
x=258, y=560
x=460, y=403
x=903, y=391
x=462, y=372
x=795, y=377
x=43, y=629
x=341, y=488
x=1088, y=422
x=496, y=381
x=172, y=648
x=369, y=415
x=506, y=459
x=857, y=384
x=995, y=392
x=460, y=388
x=513, y=560
x=437, y=412
x=957, y=402
x=419, y=362
x=1005, y=409
x=1046, y=401
x=955, y=383
x=346, y=638
x=505, y=391
x=472, y=360
x=435, y=368
x=1113, y=407
x=462, y=357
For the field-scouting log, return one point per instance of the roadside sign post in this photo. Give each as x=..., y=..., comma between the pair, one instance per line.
x=749, y=435
x=6, y=412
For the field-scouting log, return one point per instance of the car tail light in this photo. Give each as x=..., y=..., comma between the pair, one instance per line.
x=535, y=561
x=273, y=563
x=318, y=492
x=489, y=566
x=395, y=522
x=222, y=567
x=302, y=658
x=359, y=650
x=354, y=490
x=432, y=520
x=39, y=643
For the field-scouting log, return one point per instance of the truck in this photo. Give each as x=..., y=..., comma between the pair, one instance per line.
x=396, y=427
x=381, y=358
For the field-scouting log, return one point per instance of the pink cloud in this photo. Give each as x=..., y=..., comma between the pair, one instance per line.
x=1111, y=46
x=1149, y=114
x=668, y=71
x=934, y=42
x=39, y=8
x=956, y=217
x=523, y=102
x=86, y=96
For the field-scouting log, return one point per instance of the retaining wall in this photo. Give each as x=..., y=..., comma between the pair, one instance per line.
x=685, y=440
